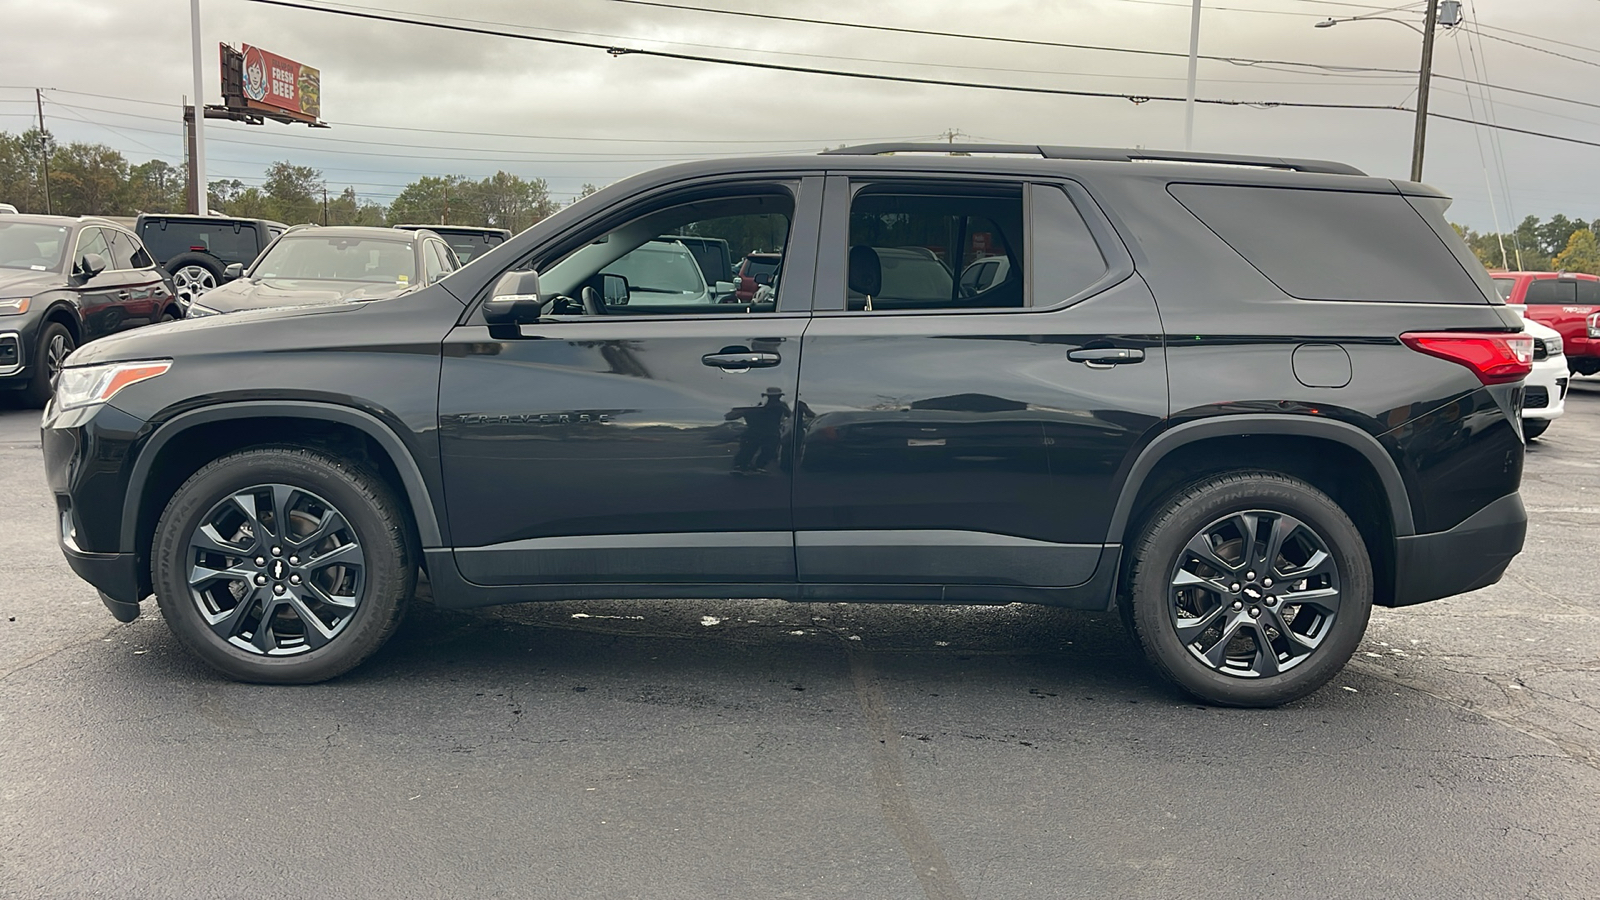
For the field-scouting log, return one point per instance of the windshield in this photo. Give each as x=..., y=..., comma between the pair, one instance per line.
x=661, y=268
x=322, y=258
x=1504, y=286
x=26, y=245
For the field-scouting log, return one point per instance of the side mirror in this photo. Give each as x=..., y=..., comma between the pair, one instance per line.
x=91, y=264
x=723, y=288
x=515, y=300
x=615, y=290
x=234, y=270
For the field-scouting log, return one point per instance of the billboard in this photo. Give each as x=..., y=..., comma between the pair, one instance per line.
x=257, y=79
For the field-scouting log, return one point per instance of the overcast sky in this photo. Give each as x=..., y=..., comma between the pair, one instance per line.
x=647, y=111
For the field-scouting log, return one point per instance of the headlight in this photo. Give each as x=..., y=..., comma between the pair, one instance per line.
x=93, y=385
x=1552, y=346
x=197, y=310
x=13, y=305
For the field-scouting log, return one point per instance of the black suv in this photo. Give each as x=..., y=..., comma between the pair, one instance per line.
x=197, y=250
x=1242, y=402
x=64, y=281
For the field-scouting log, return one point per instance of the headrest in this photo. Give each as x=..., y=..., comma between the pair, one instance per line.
x=866, y=271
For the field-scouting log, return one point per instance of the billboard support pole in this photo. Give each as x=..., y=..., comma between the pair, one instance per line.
x=197, y=158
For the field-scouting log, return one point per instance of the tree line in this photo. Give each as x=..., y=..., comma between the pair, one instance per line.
x=1558, y=245
x=94, y=179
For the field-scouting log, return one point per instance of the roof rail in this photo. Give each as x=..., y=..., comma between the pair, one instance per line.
x=301, y=227
x=1107, y=155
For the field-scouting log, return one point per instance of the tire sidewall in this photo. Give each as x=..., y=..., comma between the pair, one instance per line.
x=388, y=579
x=1195, y=511
x=39, y=388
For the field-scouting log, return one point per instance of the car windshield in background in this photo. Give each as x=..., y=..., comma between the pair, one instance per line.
x=468, y=246
x=25, y=245
x=320, y=258
x=1504, y=287
x=760, y=265
x=226, y=241
x=658, y=268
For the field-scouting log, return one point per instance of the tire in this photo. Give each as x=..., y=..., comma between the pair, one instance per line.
x=1227, y=659
x=1532, y=428
x=357, y=596
x=193, y=275
x=55, y=343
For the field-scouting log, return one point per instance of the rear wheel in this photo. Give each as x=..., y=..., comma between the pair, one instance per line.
x=1249, y=589
x=55, y=345
x=283, y=565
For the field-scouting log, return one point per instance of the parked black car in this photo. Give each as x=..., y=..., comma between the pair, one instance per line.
x=468, y=241
x=310, y=265
x=197, y=250
x=1241, y=402
x=65, y=281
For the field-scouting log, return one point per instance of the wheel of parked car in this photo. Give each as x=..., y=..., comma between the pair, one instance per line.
x=1532, y=428
x=283, y=565
x=55, y=344
x=193, y=275
x=1249, y=589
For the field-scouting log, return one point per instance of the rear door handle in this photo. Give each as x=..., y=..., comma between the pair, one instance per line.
x=124, y=295
x=745, y=359
x=1105, y=357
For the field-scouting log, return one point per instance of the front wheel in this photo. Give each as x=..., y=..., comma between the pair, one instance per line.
x=55, y=345
x=283, y=565
x=1249, y=589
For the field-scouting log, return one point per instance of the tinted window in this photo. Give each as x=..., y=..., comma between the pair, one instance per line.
x=905, y=249
x=1066, y=259
x=123, y=250
x=467, y=246
x=227, y=241
x=1334, y=245
x=1588, y=292
x=1551, y=292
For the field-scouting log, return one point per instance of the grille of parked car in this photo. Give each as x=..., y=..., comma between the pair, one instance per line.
x=1536, y=398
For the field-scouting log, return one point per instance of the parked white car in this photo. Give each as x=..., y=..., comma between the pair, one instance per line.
x=8, y=208
x=1545, y=391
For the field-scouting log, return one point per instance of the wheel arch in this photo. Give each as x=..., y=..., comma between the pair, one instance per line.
x=1339, y=459
x=163, y=465
x=62, y=311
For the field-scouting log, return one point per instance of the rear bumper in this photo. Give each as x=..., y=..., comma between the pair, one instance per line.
x=1470, y=556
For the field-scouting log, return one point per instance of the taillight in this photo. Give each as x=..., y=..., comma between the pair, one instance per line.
x=1495, y=358
x=1594, y=326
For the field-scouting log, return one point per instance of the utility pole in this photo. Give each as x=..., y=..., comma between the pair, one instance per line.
x=1425, y=81
x=1194, y=66
x=44, y=148
x=197, y=135
x=192, y=186
x=324, y=204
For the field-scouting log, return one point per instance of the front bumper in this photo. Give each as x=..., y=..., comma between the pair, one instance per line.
x=1545, y=390
x=1470, y=556
x=114, y=575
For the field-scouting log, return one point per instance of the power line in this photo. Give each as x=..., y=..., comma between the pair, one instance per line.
x=780, y=67
x=1494, y=37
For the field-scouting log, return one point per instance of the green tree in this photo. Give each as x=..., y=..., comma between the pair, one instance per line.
x=1582, y=253
x=156, y=186
x=1554, y=234
x=88, y=180
x=22, y=159
x=294, y=193
x=348, y=209
x=442, y=200
x=506, y=201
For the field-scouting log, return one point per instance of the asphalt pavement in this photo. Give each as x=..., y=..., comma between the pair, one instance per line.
x=749, y=749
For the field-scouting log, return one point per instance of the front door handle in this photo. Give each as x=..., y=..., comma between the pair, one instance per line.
x=741, y=359
x=124, y=295
x=1105, y=357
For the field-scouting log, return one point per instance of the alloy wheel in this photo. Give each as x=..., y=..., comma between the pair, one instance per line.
x=191, y=281
x=1254, y=594
x=55, y=355
x=276, y=570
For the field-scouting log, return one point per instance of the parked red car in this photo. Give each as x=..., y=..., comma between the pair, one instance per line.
x=756, y=270
x=1564, y=301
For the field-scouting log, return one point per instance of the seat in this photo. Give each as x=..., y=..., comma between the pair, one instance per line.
x=865, y=273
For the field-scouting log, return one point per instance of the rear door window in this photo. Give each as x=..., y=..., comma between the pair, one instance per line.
x=1551, y=292
x=227, y=241
x=1334, y=245
x=1588, y=292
